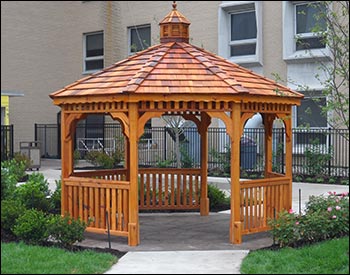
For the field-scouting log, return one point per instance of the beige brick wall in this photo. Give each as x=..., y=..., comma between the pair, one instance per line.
x=42, y=45
x=272, y=40
x=123, y=14
x=41, y=52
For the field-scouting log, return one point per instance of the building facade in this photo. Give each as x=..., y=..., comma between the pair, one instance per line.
x=47, y=45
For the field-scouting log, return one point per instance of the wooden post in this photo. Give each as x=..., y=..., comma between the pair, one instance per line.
x=133, y=229
x=235, y=134
x=203, y=130
x=67, y=137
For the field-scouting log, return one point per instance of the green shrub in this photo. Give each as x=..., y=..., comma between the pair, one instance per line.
x=10, y=211
x=186, y=160
x=298, y=178
x=314, y=227
x=76, y=157
x=335, y=209
x=32, y=227
x=35, y=192
x=222, y=158
x=55, y=199
x=11, y=172
x=66, y=230
x=8, y=183
x=325, y=217
x=217, y=198
x=284, y=229
x=15, y=167
x=101, y=159
x=21, y=158
x=164, y=163
x=316, y=158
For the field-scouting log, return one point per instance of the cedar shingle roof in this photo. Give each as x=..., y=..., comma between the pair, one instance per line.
x=175, y=67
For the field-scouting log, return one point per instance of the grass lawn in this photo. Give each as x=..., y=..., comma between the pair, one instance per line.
x=18, y=258
x=329, y=257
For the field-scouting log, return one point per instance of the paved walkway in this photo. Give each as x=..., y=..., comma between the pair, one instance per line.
x=186, y=243
x=180, y=262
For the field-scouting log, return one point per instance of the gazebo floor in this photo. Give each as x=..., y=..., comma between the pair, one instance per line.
x=181, y=231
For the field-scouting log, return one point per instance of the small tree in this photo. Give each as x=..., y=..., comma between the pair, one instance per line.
x=335, y=14
x=177, y=125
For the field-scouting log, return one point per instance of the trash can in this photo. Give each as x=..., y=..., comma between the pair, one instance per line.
x=248, y=153
x=31, y=149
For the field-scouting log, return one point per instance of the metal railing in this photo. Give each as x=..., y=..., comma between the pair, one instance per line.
x=315, y=151
x=6, y=142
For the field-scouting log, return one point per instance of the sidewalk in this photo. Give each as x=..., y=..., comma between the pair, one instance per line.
x=186, y=243
x=180, y=262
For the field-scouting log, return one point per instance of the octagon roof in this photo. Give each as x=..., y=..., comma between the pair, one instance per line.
x=175, y=67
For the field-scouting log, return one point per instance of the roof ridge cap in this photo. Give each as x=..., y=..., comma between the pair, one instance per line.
x=231, y=85
x=138, y=78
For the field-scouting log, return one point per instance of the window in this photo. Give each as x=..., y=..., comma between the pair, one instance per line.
x=306, y=20
x=309, y=114
x=139, y=38
x=300, y=41
x=243, y=33
x=240, y=32
x=93, y=52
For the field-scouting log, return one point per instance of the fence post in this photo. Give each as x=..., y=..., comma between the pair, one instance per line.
x=45, y=149
x=329, y=132
x=164, y=143
x=35, y=131
x=11, y=141
x=59, y=140
x=283, y=156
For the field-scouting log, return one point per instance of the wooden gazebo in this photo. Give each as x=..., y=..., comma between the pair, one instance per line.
x=174, y=78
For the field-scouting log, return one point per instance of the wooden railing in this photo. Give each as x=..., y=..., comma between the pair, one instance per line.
x=99, y=202
x=107, y=174
x=159, y=188
x=92, y=194
x=274, y=175
x=260, y=199
x=169, y=188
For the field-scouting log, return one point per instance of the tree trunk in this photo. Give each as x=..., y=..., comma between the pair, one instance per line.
x=177, y=148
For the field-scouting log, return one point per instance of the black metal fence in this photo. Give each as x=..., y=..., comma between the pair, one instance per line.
x=315, y=151
x=6, y=142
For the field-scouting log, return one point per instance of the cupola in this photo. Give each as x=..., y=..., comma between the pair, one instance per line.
x=174, y=27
